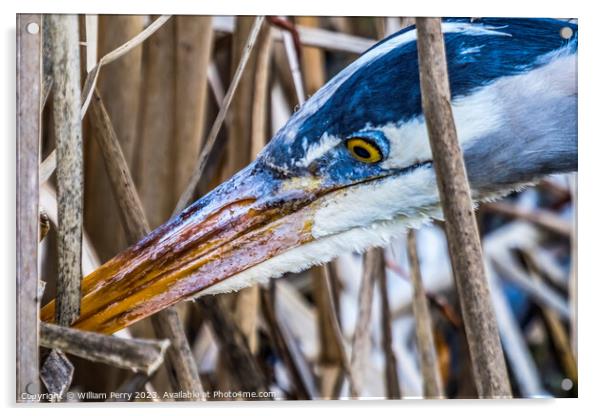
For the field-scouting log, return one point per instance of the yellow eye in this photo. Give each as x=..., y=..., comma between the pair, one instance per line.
x=364, y=150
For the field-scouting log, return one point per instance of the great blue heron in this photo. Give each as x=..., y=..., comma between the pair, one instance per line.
x=352, y=167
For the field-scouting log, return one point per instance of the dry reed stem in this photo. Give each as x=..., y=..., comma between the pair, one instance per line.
x=183, y=369
x=312, y=59
x=91, y=28
x=543, y=218
x=314, y=37
x=515, y=348
x=188, y=196
x=154, y=165
x=238, y=155
x=559, y=335
x=489, y=367
x=47, y=167
x=92, y=78
x=260, y=96
x=29, y=90
x=429, y=363
x=330, y=351
x=436, y=300
x=120, y=84
x=247, y=300
x=49, y=164
x=332, y=356
x=362, y=335
x=393, y=388
x=64, y=41
x=239, y=131
x=48, y=202
x=574, y=265
x=294, y=66
x=238, y=358
x=539, y=291
x=333, y=322
x=131, y=354
x=194, y=46
x=130, y=208
x=284, y=345
x=166, y=322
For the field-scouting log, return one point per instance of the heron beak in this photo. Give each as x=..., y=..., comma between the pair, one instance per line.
x=250, y=218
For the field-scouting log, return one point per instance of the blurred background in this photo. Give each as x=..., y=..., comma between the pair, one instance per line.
x=162, y=97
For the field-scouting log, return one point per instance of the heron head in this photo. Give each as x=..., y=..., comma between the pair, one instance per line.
x=352, y=167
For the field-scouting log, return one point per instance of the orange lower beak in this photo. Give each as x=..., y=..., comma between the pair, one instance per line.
x=244, y=222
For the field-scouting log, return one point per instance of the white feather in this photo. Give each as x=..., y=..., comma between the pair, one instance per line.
x=316, y=150
x=314, y=253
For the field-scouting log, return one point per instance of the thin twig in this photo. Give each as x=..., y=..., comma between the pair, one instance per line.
x=362, y=335
x=489, y=368
x=187, y=197
x=247, y=301
x=47, y=167
x=392, y=379
x=184, y=371
x=333, y=322
x=293, y=58
x=429, y=362
x=120, y=85
x=331, y=355
x=92, y=78
x=539, y=291
x=558, y=334
x=131, y=354
x=540, y=217
x=48, y=202
x=283, y=346
x=49, y=164
x=516, y=349
x=131, y=211
x=261, y=91
x=436, y=300
x=239, y=359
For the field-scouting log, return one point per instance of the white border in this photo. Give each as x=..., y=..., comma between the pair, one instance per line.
x=590, y=153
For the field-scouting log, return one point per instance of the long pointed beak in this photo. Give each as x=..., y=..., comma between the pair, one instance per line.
x=250, y=218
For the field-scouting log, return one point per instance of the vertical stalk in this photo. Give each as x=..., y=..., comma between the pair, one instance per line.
x=154, y=165
x=194, y=45
x=120, y=84
x=489, y=367
x=429, y=363
x=64, y=40
x=29, y=90
x=392, y=380
x=361, y=343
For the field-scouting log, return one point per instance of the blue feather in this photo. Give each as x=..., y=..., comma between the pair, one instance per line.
x=387, y=89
